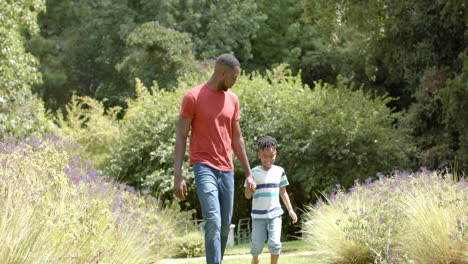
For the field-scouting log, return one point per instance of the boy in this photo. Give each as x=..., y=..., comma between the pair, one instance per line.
x=266, y=214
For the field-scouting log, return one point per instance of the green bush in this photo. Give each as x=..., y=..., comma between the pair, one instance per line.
x=403, y=218
x=188, y=246
x=144, y=156
x=94, y=129
x=24, y=117
x=326, y=135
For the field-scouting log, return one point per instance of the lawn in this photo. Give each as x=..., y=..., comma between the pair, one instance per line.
x=265, y=259
x=294, y=245
x=240, y=254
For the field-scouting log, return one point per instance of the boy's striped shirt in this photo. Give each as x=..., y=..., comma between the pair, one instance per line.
x=265, y=199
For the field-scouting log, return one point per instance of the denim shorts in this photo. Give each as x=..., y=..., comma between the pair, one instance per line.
x=261, y=228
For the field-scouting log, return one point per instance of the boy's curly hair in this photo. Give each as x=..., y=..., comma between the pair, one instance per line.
x=267, y=142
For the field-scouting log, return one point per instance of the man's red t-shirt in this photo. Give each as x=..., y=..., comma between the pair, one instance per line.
x=212, y=114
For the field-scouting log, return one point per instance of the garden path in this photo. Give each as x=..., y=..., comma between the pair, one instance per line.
x=238, y=256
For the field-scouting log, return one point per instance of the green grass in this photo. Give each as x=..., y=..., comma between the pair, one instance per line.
x=287, y=246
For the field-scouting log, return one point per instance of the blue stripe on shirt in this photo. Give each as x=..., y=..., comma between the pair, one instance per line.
x=268, y=185
x=283, y=183
x=266, y=194
x=265, y=211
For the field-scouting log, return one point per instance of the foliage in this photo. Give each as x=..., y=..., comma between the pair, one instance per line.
x=403, y=218
x=156, y=54
x=218, y=27
x=144, y=156
x=93, y=128
x=68, y=50
x=453, y=97
x=19, y=68
x=188, y=246
x=58, y=209
x=21, y=114
x=426, y=124
x=396, y=48
x=330, y=134
x=84, y=44
x=24, y=117
x=278, y=37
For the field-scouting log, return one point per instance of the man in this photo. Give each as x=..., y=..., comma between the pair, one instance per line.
x=211, y=111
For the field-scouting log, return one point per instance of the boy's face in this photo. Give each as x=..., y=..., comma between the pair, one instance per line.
x=267, y=156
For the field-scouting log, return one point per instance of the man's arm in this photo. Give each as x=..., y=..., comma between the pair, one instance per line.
x=238, y=146
x=285, y=198
x=183, y=128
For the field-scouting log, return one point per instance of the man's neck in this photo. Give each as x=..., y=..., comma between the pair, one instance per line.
x=212, y=84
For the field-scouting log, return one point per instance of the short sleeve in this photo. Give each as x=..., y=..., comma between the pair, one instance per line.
x=237, y=110
x=284, y=179
x=188, y=106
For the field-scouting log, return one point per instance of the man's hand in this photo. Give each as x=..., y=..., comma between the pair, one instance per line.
x=180, y=188
x=293, y=216
x=251, y=183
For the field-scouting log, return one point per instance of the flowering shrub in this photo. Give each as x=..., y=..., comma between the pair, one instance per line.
x=55, y=208
x=87, y=123
x=403, y=218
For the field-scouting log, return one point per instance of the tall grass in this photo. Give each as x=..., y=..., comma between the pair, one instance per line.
x=55, y=208
x=403, y=218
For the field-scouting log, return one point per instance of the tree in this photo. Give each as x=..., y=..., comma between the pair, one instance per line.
x=21, y=114
x=19, y=68
x=217, y=27
x=402, y=45
x=156, y=53
x=278, y=37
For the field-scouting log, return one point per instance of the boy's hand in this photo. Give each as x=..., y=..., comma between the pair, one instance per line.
x=251, y=183
x=293, y=216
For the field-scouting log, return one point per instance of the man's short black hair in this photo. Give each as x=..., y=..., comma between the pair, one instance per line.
x=267, y=142
x=228, y=59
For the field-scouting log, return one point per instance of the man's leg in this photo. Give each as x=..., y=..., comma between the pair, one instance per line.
x=207, y=190
x=274, y=238
x=226, y=200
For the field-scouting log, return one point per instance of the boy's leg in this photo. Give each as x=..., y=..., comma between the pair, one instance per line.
x=207, y=190
x=226, y=199
x=274, y=238
x=259, y=233
x=274, y=259
x=255, y=260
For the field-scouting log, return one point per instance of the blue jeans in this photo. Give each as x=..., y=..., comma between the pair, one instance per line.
x=215, y=191
x=260, y=227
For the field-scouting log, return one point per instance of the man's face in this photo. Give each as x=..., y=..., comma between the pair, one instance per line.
x=230, y=78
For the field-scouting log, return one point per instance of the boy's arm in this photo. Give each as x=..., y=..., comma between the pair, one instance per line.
x=285, y=198
x=247, y=192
